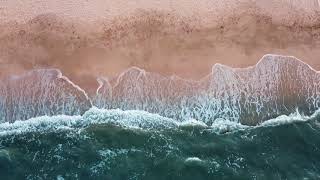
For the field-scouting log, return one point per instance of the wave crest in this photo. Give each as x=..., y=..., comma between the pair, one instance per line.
x=135, y=120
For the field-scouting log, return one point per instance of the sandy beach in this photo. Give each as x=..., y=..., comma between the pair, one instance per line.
x=86, y=39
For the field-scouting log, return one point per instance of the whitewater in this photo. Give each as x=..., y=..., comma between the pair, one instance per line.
x=260, y=122
x=276, y=85
x=134, y=119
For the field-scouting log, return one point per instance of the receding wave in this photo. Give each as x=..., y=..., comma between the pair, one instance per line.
x=277, y=85
x=39, y=93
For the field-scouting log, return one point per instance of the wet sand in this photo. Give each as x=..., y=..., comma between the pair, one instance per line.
x=86, y=39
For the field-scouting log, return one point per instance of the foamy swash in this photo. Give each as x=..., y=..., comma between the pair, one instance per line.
x=277, y=85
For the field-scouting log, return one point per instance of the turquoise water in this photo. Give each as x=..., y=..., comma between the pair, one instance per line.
x=113, y=150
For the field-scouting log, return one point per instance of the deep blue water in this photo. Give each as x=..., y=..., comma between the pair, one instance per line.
x=109, y=150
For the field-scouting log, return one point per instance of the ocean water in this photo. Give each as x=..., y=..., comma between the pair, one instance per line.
x=260, y=122
x=116, y=144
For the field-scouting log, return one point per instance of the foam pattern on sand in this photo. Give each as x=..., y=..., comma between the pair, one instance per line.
x=38, y=93
x=277, y=85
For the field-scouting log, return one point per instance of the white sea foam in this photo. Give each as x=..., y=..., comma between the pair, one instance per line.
x=292, y=118
x=40, y=124
x=193, y=161
x=224, y=126
x=193, y=123
x=133, y=119
x=130, y=119
x=274, y=86
x=40, y=92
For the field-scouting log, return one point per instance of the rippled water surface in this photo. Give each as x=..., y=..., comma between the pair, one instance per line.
x=129, y=148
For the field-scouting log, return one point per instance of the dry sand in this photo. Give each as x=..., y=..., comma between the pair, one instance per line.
x=89, y=38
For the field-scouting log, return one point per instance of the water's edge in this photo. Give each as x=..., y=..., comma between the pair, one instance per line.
x=276, y=85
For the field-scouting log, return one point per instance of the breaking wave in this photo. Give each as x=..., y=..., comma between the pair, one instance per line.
x=135, y=119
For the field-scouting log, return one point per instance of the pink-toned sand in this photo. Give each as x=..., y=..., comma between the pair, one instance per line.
x=89, y=38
